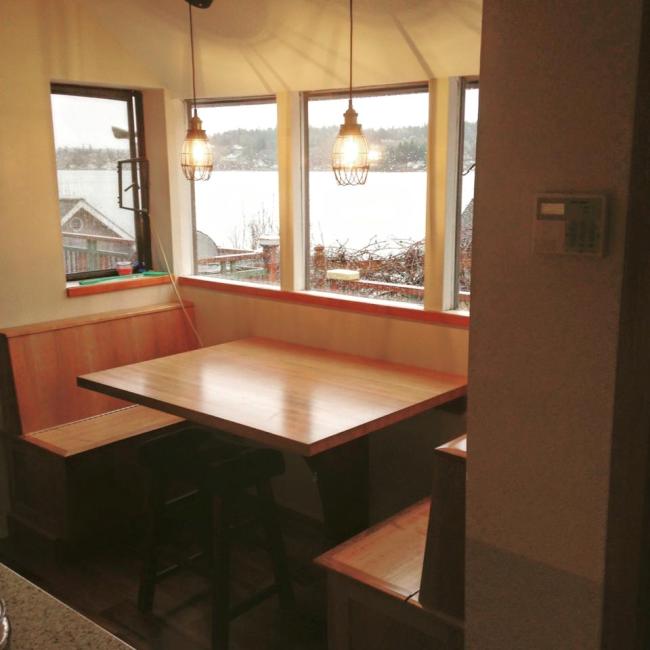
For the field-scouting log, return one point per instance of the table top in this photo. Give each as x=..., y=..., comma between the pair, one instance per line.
x=290, y=397
x=39, y=620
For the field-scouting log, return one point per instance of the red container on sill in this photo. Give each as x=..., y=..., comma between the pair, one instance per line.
x=124, y=268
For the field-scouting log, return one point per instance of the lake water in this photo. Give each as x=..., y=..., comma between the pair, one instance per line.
x=391, y=205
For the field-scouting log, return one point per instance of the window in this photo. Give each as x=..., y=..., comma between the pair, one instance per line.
x=94, y=128
x=368, y=240
x=236, y=213
x=465, y=206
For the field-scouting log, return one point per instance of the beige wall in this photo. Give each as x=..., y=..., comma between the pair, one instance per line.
x=557, y=93
x=40, y=42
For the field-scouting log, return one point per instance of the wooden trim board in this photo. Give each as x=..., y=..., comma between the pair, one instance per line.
x=89, y=319
x=134, y=282
x=330, y=301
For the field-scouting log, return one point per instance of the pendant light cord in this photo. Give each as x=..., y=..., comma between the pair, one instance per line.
x=189, y=4
x=351, y=34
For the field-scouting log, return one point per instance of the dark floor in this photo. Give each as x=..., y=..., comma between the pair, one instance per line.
x=103, y=586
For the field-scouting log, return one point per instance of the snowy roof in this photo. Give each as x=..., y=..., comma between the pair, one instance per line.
x=69, y=207
x=98, y=187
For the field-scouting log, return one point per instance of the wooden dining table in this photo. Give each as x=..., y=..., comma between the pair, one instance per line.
x=313, y=402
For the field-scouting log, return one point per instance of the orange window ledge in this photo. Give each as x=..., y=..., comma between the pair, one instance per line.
x=330, y=301
x=74, y=290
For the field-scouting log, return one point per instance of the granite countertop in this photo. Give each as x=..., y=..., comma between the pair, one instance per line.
x=40, y=622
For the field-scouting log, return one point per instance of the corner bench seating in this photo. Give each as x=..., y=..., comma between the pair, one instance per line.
x=71, y=452
x=99, y=430
x=400, y=584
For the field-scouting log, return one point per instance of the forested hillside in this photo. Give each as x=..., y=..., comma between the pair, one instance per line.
x=398, y=149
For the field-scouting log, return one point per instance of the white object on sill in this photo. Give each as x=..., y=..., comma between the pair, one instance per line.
x=347, y=275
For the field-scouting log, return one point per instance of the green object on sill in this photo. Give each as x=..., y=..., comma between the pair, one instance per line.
x=116, y=278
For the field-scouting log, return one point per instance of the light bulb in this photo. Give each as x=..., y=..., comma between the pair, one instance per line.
x=201, y=153
x=351, y=151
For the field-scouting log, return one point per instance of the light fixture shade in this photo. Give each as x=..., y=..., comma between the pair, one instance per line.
x=196, y=155
x=350, y=152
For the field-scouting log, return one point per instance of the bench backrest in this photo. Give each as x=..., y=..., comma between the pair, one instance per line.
x=442, y=587
x=39, y=363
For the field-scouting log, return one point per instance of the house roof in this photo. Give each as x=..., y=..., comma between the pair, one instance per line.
x=99, y=189
x=68, y=207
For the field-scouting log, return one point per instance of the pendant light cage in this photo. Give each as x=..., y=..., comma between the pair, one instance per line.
x=197, y=159
x=350, y=152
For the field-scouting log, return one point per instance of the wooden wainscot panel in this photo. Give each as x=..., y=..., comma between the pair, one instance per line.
x=47, y=358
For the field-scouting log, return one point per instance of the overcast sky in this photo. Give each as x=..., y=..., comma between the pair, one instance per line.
x=385, y=111
x=80, y=121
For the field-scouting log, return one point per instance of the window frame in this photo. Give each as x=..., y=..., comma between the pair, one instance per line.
x=465, y=84
x=137, y=149
x=209, y=102
x=343, y=93
x=442, y=169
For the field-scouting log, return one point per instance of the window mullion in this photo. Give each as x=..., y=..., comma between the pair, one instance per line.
x=291, y=191
x=454, y=156
x=434, y=257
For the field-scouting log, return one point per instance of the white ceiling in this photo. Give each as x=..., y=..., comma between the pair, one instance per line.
x=249, y=47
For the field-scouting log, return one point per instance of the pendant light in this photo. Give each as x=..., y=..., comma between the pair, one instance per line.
x=196, y=154
x=350, y=152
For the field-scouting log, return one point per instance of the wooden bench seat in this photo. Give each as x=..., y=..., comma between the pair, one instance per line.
x=387, y=556
x=72, y=452
x=401, y=582
x=100, y=430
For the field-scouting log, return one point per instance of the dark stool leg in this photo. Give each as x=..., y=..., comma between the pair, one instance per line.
x=219, y=560
x=150, y=564
x=270, y=519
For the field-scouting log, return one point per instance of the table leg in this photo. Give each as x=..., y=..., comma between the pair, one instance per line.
x=342, y=476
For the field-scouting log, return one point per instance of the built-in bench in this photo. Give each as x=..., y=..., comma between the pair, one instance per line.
x=71, y=451
x=400, y=584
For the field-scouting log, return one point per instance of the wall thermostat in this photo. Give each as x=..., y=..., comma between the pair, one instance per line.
x=570, y=224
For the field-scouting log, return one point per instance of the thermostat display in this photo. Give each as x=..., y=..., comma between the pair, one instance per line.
x=570, y=224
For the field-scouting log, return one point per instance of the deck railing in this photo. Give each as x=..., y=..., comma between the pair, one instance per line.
x=263, y=266
x=80, y=260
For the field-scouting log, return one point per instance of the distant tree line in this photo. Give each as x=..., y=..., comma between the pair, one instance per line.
x=399, y=149
x=89, y=157
x=245, y=149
